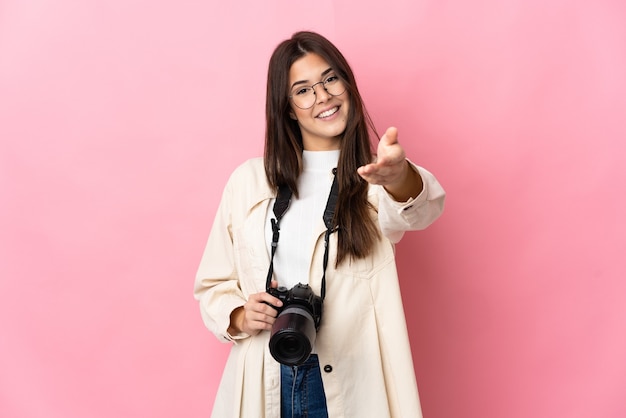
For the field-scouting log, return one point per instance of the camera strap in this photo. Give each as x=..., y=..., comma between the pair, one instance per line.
x=329, y=214
x=280, y=207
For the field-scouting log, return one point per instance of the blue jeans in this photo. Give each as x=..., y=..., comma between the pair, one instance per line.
x=302, y=392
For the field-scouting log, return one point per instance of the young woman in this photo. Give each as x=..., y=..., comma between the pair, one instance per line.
x=317, y=140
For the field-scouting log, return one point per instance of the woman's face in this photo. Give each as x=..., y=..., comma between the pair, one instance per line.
x=323, y=123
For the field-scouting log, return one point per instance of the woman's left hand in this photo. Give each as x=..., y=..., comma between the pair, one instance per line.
x=391, y=169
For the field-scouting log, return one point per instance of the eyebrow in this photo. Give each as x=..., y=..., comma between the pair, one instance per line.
x=324, y=73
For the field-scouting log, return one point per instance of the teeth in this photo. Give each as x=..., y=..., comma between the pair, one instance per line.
x=328, y=112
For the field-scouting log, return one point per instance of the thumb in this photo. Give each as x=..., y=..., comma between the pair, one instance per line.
x=390, y=137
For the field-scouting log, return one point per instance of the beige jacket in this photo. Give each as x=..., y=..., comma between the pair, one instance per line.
x=362, y=344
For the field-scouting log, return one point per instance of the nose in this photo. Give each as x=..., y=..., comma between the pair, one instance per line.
x=323, y=95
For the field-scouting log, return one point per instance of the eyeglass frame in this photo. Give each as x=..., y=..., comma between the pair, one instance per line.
x=323, y=83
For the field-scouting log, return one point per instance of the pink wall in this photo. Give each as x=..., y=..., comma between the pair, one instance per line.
x=120, y=121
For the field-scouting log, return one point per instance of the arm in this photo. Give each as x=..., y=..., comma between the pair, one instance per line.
x=217, y=284
x=395, y=218
x=410, y=198
x=409, y=184
x=225, y=309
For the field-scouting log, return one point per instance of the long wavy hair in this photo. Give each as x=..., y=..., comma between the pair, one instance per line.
x=357, y=229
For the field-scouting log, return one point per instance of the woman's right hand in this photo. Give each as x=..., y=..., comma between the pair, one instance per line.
x=256, y=315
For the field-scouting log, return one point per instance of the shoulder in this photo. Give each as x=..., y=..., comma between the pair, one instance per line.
x=248, y=180
x=249, y=170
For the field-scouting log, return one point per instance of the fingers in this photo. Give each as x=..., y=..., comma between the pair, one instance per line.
x=390, y=151
x=390, y=137
x=390, y=164
x=259, y=312
x=384, y=172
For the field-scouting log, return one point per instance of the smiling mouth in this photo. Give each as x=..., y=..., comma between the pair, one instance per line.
x=328, y=113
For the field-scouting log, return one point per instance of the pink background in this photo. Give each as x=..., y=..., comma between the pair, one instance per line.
x=121, y=120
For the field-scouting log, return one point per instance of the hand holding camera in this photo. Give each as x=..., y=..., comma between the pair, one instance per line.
x=258, y=314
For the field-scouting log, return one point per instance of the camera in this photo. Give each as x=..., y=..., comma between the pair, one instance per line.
x=293, y=333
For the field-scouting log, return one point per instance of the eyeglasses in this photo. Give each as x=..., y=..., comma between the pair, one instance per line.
x=304, y=96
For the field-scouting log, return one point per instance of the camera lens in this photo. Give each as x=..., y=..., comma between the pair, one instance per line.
x=293, y=336
x=290, y=345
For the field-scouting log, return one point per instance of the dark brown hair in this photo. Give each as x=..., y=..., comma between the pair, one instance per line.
x=283, y=142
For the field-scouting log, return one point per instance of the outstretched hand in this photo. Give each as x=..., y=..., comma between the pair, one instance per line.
x=391, y=169
x=390, y=165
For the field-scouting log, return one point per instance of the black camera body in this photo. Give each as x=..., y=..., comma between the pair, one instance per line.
x=294, y=332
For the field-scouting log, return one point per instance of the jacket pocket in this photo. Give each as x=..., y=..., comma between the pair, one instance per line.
x=368, y=267
x=251, y=256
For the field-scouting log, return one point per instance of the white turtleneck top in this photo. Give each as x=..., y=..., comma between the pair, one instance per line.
x=299, y=224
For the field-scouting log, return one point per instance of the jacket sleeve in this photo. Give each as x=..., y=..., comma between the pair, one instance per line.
x=395, y=218
x=217, y=283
